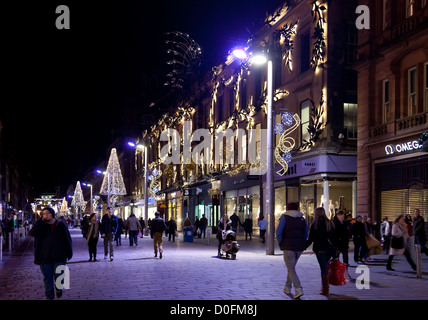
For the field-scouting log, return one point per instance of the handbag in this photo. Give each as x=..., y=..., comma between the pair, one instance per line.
x=397, y=242
x=336, y=273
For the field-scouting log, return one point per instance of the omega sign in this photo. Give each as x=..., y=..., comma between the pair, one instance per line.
x=402, y=147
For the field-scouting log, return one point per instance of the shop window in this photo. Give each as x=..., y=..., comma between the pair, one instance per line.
x=404, y=201
x=386, y=107
x=412, y=84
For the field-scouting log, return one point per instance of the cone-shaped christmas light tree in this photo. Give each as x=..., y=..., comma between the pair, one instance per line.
x=64, y=207
x=78, y=201
x=113, y=181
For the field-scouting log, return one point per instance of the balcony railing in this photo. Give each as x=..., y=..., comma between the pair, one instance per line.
x=400, y=126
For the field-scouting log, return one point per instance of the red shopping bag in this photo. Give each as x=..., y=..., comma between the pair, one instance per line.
x=336, y=273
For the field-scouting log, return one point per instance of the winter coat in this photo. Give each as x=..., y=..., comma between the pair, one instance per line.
x=158, y=225
x=292, y=231
x=132, y=223
x=91, y=229
x=358, y=231
x=419, y=229
x=399, y=230
x=172, y=226
x=248, y=225
x=342, y=234
x=52, y=242
x=222, y=226
x=109, y=225
x=322, y=239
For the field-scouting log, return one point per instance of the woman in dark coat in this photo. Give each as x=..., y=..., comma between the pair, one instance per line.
x=248, y=227
x=323, y=237
x=223, y=224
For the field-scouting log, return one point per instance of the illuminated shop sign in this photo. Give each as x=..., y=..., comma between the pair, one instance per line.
x=402, y=147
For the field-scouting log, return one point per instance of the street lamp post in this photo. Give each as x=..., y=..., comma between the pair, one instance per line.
x=141, y=146
x=270, y=190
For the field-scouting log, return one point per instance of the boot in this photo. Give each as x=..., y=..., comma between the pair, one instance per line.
x=325, y=286
x=388, y=264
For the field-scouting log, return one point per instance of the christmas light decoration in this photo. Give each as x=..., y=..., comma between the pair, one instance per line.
x=78, y=201
x=286, y=144
x=113, y=181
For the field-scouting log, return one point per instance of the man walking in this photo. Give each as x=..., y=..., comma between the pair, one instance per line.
x=109, y=224
x=292, y=233
x=203, y=225
x=157, y=228
x=53, y=247
x=133, y=226
x=385, y=232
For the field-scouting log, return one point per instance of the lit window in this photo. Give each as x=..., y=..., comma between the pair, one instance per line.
x=410, y=8
x=350, y=119
x=412, y=91
x=305, y=120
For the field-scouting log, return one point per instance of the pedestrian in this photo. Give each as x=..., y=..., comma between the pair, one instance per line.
x=408, y=224
x=118, y=235
x=157, y=228
x=399, y=232
x=133, y=226
x=248, y=227
x=358, y=233
x=53, y=247
x=262, y=225
x=223, y=225
x=235, y=222
x=91, y=231
x=419, y=231
x=108, y=230
x=197, y=230
x=291, y=233
x=385, y=232
x=203, y=225
x=323, y=237
x=341, y=227
x=143, y=226
x=172, y=228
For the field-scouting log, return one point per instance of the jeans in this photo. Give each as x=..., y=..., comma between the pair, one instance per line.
x=108, y=244
x=133, y=237
x=323, y=258
x=291, y=258
x=203, y=231
x=49, y=275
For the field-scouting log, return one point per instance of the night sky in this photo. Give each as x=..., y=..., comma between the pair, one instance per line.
x=66, y=89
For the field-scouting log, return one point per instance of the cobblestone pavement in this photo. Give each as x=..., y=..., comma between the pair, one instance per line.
x=191, y=271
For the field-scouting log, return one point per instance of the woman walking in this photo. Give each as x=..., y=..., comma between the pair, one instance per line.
x=399, y=243
x=91, y=231
x=323, y=236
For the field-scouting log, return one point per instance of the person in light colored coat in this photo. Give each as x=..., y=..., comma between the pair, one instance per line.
x=133, y=226
x=399, y=230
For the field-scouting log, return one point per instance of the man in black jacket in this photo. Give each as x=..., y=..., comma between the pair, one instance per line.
x=53, y=247
x=419, y=231
x=358, y=233
x=157, y=228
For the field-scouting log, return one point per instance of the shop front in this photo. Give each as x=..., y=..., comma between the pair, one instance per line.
x=174, y=206
x=241, y=194
x=400, y=179
x=327, y=181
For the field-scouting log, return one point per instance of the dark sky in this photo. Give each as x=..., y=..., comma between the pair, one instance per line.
x=66, y=89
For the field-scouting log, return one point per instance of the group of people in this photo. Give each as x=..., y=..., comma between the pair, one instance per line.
x=330, y=238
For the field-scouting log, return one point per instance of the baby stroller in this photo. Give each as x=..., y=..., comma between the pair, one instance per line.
x=230, y=246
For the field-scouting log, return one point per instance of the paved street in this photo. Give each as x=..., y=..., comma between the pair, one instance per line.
x=191, y=271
